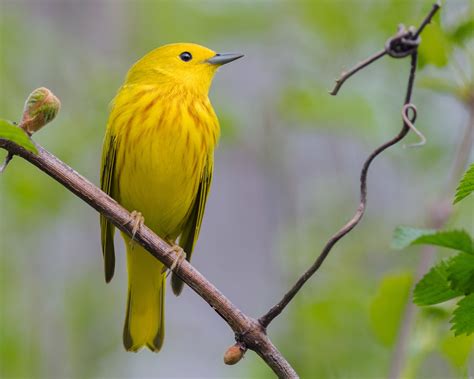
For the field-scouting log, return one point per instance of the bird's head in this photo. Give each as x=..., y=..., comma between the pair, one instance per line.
x=184, y=64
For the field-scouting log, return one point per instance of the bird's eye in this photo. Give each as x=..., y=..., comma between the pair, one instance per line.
x=185, y=56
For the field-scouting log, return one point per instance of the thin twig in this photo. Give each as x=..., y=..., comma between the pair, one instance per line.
x=347, y=74
x=247, y=329
x=267, y=318
x=402, y=44
x=428, y=18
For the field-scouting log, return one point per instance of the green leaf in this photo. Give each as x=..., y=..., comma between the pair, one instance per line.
x=466, y=185
x=386, y=310
x=434, y=287
x=405, y=236
x=457, y=349
x=17, y=135
x=461, y=273
x=463, y=320
x=462, y=32
x=435, y=312
x=434, y=47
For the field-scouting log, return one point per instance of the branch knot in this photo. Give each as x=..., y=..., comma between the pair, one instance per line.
x=404, y=43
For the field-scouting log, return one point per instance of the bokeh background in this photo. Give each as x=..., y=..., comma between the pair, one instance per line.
x=286, y=178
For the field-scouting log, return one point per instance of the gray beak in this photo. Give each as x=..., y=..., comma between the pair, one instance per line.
x=220, y=59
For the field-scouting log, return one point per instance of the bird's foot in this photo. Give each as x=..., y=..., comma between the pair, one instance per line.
x=180, y=257
x=137, y=221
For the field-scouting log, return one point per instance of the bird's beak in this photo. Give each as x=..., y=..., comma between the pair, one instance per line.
x=220, y=59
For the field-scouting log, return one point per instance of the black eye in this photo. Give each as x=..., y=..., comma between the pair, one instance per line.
x=185, y=56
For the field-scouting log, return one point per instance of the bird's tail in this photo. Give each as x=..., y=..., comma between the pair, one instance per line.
x=144, y=321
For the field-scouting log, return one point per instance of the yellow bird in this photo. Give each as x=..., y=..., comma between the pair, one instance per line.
x=157, y=161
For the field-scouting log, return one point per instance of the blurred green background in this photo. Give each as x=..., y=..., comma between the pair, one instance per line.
x=286, y=178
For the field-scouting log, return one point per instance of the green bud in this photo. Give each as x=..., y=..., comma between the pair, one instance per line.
x=40, y=108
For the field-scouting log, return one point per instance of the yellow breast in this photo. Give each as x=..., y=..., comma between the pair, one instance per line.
x=165, y=139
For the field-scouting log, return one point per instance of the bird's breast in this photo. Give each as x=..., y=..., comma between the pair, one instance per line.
x=164, y=145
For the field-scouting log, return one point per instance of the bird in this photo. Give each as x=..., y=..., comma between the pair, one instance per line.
x=157, y=162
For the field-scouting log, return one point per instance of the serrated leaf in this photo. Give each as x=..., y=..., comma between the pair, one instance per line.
x=405, y=236
x=466, y=185
x=463, y=319
x=434, y=287
x=461, y=273
x=457, y=349
x=17, y=135
x=387, y=308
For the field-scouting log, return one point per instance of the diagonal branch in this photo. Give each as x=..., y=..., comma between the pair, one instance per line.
x=347, y=74
x=248, y=330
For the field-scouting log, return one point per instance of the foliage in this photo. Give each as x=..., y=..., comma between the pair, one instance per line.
x=452, y=239
x=466, y=186
x=463, y=322
x=457, y=349
x=11, y=132
x=387, y=308
x=435, y=48
x=434, y=287
x=462, y=31
x=451, y=278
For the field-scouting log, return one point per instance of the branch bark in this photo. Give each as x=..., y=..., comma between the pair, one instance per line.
x=247, y=330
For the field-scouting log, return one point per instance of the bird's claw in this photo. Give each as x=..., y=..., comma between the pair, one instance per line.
x=137, y=220
x=180, y=257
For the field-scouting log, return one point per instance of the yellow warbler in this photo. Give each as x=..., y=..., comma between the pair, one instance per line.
x=157, y=161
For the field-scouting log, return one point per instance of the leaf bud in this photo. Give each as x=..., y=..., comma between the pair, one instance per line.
x=41, y=107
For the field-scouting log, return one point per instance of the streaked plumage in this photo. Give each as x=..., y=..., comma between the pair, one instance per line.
x=158, y=160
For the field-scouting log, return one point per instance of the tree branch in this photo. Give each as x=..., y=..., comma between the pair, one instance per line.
x=246, y=329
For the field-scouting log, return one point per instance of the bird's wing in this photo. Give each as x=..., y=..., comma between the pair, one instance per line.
x=108, y=184
x=192, y=227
